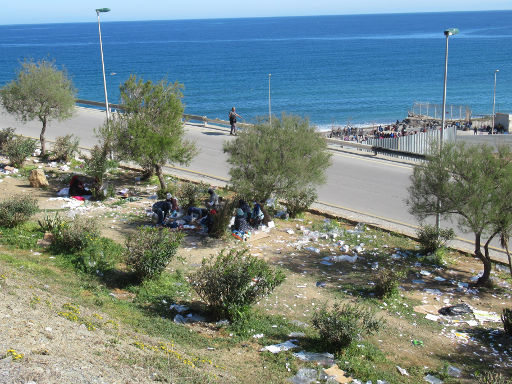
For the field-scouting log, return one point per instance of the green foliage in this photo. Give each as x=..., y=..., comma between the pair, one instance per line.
x=6, y=134
x=65, y=147
x=150, y=131
x=50, y=222
x=231, y=282
x=472, y=183
x=191, y=194
x=162, y=193
x=220, y=224
x=23, y=236
x=96, y=165
x=75, y=235
x=286, y=160
x=298, y=201
x=99, y=255
x=341, y=325
x=18, y=149
x=432, y=239
x=506, y=318
x=150, y=249
x=17, y=209
x=40, y=91
x=493, y=378
x=387, y=282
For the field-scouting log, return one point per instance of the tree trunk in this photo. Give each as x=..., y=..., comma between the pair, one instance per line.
x=158, y=170
x=508, y=255
x=486, y=262
x=41, y=138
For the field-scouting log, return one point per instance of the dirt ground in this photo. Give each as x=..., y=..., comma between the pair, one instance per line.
x=57, y=350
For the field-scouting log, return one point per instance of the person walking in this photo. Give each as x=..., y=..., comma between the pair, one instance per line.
x=232, y=120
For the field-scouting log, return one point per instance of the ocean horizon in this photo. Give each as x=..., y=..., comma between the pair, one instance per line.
x=356, y=69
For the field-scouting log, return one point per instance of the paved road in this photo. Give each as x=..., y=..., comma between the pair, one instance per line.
x=360, y=186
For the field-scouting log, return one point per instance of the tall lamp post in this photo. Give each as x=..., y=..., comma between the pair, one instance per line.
x=269, y=107
x=447, y=33
x=98, y=11
x=494, y=100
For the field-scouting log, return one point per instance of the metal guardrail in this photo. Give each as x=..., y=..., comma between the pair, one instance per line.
x=187, y=117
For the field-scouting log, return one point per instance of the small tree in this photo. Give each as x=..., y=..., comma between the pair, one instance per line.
x=285, y=160
x=473, y=184
x=150, y=131
x=40, y=91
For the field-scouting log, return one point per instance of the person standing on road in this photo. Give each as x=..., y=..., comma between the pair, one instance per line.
x=232, y=120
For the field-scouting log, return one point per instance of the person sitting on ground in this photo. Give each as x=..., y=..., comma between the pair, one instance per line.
x=245, y=208
x=76, y=187
x=257, y=215
x=241, y=223
x=213, y=201
x=162, y=208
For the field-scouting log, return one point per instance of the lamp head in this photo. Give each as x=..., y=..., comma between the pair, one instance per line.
x=451, y=31
x=102, y=10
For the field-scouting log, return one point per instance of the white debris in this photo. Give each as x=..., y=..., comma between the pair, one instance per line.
x=276, y=348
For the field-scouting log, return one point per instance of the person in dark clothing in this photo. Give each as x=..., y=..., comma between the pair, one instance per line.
x=241, y=223
x=232, y=120
x=245, y=208
x=76, y=187
x=162, y=208
x=213, y=201
x=257, y=215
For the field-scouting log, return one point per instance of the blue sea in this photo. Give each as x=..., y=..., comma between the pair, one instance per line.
x=332, y=69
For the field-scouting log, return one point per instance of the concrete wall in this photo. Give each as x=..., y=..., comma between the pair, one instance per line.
x=503, y=119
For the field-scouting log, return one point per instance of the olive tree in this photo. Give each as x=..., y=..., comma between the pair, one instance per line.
x=285, y=160
x=473, y=185
x=39, y=91
x=150, y=131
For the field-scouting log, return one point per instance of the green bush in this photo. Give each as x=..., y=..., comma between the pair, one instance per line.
x=190, y=194
x=220, y=224
x=341, y=325
x=96, y=165
x=6, y=134
x=162, y=193
x=75, y=235
x=298, y=201
x=150, y=249
x=16, y=210
x=65, y=147
x=48, y=223
x=506, y=318
x=231, y=282
x=432, y=239
x=18, y=149
x=387, y=282
x=99, y=255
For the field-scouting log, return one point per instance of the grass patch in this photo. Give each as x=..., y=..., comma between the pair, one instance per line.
x=24, y=236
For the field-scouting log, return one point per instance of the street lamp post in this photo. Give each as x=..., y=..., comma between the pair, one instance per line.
x=269, y=107
x=447, y=33
x=494, y=100
x=98, y=11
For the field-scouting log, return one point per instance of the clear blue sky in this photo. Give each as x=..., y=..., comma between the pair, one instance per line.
x=60, y=11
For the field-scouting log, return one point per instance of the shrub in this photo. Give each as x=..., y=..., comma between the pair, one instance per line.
x=493, y=378
x=162, y=193
x=99, y=255
x=231, y=282
x=221, y=220
x=75, y=235
x=297, y=201
x=190, y=194
x=16, y=210
x=65, y=147
x=18, y=149
x=432, y=239
x=96, y=166
x=150, y=249
x=48, y=223
x=387, y=282
x=6, y=134
x=341, y=325
x=506, y=318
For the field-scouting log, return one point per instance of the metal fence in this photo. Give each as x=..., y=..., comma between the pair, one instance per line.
x=435, y=111
x=418, y=143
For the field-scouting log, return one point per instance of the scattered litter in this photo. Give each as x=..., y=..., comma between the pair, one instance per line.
x=359, y=249
x=321, y=284
x=425, y=273
x=178, y=308
x=402, y=371
x=350, y=259
x=431, y=291
x=433, y=380
x=453, y=371
x=418, y=281
x=222, y=322
x=338, y=375
x=276, y=348
x=296, y=335
x=432, y=317
x=483, y=316
x=456, y=310
x=375, y=266
x=190, y=318
x=417, y=342
x=290, y=231
x=304, y=376
x=439, y=278
x=325, y=262
x=312, y=249
x=258, y=336
x=326, y=359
